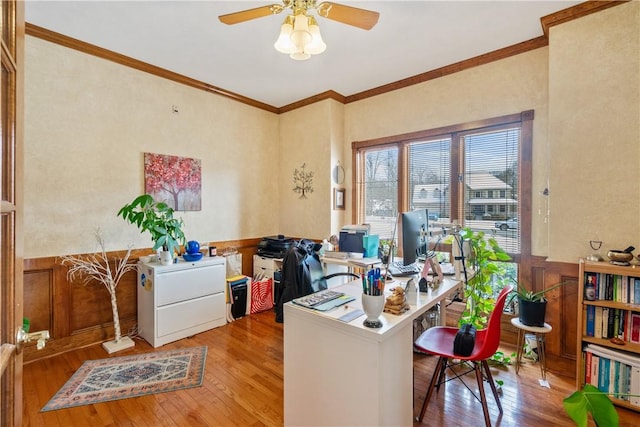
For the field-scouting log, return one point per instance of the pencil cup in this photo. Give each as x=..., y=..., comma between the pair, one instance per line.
x=372, y=306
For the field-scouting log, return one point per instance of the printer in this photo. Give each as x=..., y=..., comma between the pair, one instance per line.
x=274, y=246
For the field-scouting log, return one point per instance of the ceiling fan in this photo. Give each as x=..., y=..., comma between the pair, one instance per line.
x=300, y=33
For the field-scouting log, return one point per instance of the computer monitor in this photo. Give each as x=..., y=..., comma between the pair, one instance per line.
x=415, y=235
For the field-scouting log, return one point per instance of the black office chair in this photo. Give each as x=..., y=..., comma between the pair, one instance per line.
x=302, y=274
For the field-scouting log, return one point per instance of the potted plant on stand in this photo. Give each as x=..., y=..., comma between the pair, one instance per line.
x=156, y=218
x=96, y=267
x=532, y=306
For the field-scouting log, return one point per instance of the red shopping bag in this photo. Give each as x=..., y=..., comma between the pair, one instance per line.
x=261, y=295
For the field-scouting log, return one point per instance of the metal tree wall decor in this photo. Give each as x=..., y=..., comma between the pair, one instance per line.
x=174, y=180
x=302, y=181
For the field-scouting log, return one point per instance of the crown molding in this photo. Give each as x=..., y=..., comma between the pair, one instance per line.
x=575, y=12
x=562, y=16
x=71, y=43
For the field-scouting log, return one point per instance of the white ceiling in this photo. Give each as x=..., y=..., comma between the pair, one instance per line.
x=186, y=37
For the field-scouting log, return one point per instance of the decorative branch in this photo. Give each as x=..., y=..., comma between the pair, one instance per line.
x=96, y=267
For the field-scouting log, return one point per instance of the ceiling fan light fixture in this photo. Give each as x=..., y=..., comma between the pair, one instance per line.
x=301, y=36
x=284, y=44
x=317, y=45
x=300, y=56
x=299, y=33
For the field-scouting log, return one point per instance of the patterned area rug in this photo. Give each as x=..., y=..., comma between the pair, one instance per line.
x=130, y=376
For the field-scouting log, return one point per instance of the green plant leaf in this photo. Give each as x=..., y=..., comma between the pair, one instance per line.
x=590, y=400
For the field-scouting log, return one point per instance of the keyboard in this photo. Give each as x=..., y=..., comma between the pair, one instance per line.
x=398, y=269
x=318, y=298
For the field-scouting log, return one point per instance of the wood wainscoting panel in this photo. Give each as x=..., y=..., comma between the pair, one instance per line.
x=38, y=299
x=562, y=306
x=92, y=303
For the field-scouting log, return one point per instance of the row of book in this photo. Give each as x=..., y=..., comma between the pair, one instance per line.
x=612, y=287
x=613, y=372
x=609, y=322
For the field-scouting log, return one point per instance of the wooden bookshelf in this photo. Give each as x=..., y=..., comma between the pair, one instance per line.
x=621, y=303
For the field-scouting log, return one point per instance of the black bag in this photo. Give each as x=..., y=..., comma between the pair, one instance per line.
x=465, y=340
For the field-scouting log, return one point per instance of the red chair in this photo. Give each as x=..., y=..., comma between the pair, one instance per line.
x=439, y=341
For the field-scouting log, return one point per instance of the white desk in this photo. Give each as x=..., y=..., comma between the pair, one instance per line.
x=344, y=374
x=351, y=263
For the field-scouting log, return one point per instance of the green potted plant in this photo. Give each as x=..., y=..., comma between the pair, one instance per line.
x=485, y=270
x=532, y=306
x=156, y=218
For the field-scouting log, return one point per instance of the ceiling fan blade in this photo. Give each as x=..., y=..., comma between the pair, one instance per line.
x=249, y=14
x=349, y=15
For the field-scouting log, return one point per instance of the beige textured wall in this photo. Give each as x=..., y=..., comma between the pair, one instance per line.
x=305, y=136
x=503, y=87
x=339, y=153
x=594, y=130
x=87, y=124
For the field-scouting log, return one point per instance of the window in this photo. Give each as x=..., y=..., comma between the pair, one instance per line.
x=378, y=190
x=470, y=173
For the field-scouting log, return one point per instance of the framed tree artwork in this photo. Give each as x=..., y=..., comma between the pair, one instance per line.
x=338, y=198
x=174, y=180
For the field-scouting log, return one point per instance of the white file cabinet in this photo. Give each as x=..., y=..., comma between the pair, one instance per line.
x=179, y=300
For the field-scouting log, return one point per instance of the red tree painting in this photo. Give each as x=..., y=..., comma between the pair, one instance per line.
x=174, y=180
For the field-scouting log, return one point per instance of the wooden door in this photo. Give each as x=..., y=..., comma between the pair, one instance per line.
x=11, y=166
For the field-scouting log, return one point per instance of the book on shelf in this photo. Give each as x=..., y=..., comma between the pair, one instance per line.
x=616, y=323
x=591, y=281
x=609, y=291
x=635, y=328
x=595, y=364
x=598, y=323
x=603, y=375
x=590, y=321
x=614, y=382
x=625, y=381
x=624, y=315
x=611, y=329
x=634, y=388
x=605, y=322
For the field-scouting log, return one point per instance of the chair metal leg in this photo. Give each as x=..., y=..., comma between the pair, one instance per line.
x=492, y=384
x=440, y=366
x=483, y=396
x=442, y=373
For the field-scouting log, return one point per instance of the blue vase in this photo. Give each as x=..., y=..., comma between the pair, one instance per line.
x=192, y=247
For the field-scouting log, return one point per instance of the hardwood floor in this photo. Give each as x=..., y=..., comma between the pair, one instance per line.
x=243, y=386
